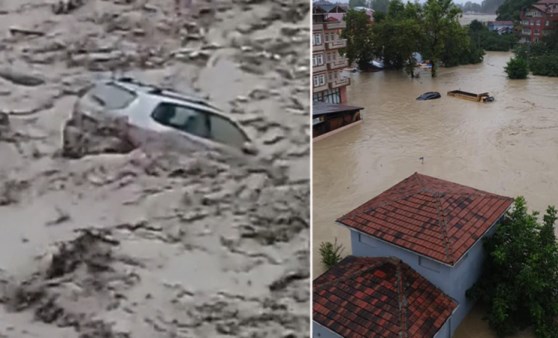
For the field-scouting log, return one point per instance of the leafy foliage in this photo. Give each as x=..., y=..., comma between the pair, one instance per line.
x=517, y=68
x=431, y=29
x=398, y=36
x=519, y=282
x=359, y=38
x=541, y=57
x=331, y=253
x=440, y=23
x=491, y=41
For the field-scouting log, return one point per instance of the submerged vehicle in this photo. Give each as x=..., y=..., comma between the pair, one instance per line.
x=482, y=97
x=429, y=96
x=151, y=109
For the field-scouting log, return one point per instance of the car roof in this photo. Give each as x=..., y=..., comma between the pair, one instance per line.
x=163, y=93
x=171, y=96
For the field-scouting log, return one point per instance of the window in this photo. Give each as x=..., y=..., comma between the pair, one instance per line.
x=111, y=96
x=317, y=39
x=547, y=23
x=328, y=96
x=199, y=123
x=183, y=118
x=318, y=59
x=538, y=22
x=319, y=80
x=224, y=131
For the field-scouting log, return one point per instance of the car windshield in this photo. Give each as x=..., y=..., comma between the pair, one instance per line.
x=111, y=96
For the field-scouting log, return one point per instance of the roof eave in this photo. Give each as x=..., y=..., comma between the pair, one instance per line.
x=392, y=244
x=428, y=257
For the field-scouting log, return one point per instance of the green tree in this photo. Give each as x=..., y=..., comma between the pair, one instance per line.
x=398, y=36
x=517, y=68
x=331, y=253
x=359, y=38
x=440, y=20
x=519, y=281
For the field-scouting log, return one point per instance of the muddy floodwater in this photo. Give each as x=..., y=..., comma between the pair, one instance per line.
x=507, y=147
x=157, y=242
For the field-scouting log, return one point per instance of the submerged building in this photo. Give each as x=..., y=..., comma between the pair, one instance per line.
x=435, y=227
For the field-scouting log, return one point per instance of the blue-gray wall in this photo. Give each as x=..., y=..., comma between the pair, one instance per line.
x=454, y=281
x=318, y=331
x=446, y=330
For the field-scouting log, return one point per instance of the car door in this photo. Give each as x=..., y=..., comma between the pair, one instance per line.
x=225, y=131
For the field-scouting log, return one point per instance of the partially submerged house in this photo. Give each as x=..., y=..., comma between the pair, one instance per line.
x=434, y=226
x=378, y=297
x=328, y=117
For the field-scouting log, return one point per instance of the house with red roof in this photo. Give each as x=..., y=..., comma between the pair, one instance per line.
x=435, y=227
x=539, y=20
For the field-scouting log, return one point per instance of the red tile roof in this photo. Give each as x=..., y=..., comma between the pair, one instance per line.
x=429, y=216
x=363, y=297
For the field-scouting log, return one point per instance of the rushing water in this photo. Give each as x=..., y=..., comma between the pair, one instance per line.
x=509, y=147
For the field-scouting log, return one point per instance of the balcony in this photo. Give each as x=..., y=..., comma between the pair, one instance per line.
x=341, y=43
x=320, y=68
x=320, y=88
x=339, y=63
x=336, y=25
x=340, y=83
x=318, y=48
x=317, y=27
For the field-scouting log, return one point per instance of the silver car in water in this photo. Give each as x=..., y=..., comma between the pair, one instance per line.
x=158, y=110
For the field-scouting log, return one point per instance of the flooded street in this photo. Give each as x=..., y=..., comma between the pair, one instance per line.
x=507, y=147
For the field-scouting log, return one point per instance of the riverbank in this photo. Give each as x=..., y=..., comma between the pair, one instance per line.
x=495, y=147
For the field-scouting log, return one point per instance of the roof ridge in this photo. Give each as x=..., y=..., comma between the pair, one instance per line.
x=403, y=331
x=443, y=225
x=379, y=262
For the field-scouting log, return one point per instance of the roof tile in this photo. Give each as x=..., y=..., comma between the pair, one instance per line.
x=390, y=299
x=430, y=216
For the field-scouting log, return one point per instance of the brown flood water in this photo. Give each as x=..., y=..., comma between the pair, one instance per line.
x=506, y=147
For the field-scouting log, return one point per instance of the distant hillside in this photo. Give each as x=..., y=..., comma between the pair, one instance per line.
x=510, y=9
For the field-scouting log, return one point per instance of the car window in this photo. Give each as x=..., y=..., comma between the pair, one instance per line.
x=225, y=131
x=111, y=96
x=185, y=119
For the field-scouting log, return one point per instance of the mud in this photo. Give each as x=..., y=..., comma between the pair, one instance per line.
x=154, y=240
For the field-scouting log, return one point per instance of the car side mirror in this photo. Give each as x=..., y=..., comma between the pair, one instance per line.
x=249, y=149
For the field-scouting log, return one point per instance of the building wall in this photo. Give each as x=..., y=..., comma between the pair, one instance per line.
x=335, y=121
x=445, y=331
x=318, y=331
x=343, y=94
x=326, y=42
x=535, y=24
x=454, y=281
